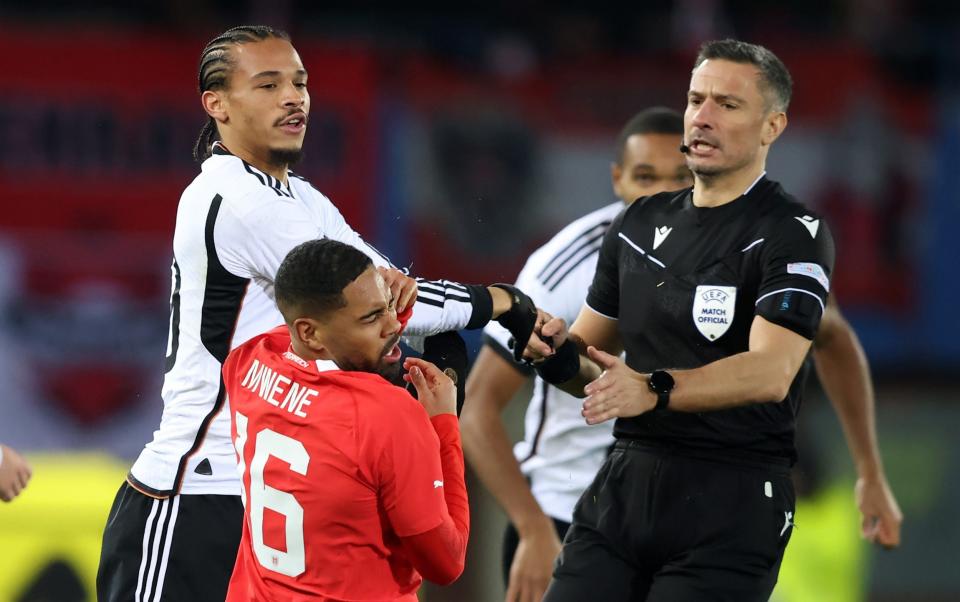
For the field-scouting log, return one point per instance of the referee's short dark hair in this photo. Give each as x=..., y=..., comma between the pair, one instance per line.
x=655, y=120
x=311, y=278
x=775, y=82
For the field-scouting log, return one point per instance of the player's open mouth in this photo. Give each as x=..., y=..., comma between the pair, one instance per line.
x=294, y=124
x=393, y=355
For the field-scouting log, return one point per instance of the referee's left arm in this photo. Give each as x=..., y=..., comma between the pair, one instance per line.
x=762, y=374
x=791, y=297
x=796, y=266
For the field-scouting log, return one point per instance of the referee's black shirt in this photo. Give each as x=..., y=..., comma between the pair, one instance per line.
x=685, y=283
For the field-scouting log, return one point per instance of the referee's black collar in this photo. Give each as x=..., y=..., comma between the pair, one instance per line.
x=757, y=189
x=266, y=179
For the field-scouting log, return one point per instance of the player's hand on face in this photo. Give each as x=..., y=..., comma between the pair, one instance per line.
x=435, y=390
x=14, y=474
x=548, y=334
x=618, y=392
x=881, y=515
x=532, y=564
x=403, y=287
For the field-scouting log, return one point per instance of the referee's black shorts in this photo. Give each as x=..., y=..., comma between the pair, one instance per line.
x=178, y=548
x=660, y=527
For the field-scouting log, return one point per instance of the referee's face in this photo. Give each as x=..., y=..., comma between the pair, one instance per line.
x=364, y=335
x=726, y=120
x=266, y=102
x=651, y=163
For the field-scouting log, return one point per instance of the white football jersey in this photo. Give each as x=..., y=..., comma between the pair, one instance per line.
x=235, y=224
x=560, y=453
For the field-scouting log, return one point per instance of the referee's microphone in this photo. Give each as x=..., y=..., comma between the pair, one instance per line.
x=684, y=148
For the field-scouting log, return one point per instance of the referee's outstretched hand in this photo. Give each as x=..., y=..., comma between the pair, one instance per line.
x=435, y=390
x=618, y=392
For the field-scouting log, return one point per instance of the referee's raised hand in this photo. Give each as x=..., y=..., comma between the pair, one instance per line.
x=618, y=392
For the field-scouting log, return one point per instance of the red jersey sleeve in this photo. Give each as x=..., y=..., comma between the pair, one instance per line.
x=447, y=427
x=439, y=554
x=408, y=471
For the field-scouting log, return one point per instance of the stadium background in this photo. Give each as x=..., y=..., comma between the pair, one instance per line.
x=457, y=142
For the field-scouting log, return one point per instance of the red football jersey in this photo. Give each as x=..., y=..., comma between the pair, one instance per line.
x=336, y=466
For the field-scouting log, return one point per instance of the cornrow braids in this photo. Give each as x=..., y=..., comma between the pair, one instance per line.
x=215, y=65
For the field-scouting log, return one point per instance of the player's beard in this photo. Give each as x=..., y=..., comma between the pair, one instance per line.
x=390, y=371
x=285, y=157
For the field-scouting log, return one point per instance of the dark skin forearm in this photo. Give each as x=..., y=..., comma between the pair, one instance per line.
x=845, y=375
x=491, y=385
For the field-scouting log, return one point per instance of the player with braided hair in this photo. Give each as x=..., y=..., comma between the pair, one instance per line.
x=215, y=64
x=175, y=525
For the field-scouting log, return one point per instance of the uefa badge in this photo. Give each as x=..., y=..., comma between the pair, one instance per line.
x=713, y=309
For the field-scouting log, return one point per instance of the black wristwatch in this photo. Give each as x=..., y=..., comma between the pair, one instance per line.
x=661, y=383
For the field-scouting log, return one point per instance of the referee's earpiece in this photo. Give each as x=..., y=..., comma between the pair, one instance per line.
x=684, y=148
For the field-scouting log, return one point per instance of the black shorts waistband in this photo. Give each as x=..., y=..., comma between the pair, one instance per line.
x=771, y=464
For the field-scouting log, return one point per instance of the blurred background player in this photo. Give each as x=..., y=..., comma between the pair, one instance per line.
x=538, y=483
x=174, y=526
x=368, y=481
x=14, y=473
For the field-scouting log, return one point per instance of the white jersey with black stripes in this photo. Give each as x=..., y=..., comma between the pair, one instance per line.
x=560, y=453
x=235, y=224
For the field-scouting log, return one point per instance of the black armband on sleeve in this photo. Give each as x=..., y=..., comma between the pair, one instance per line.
x=482, y=306
x=796, y=310
x=562, y=365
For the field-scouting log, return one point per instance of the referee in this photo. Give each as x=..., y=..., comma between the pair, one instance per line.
x=714, y=293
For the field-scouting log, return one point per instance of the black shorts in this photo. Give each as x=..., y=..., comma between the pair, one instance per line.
x=179, y=548
x=658, y=527
x=511, y=539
